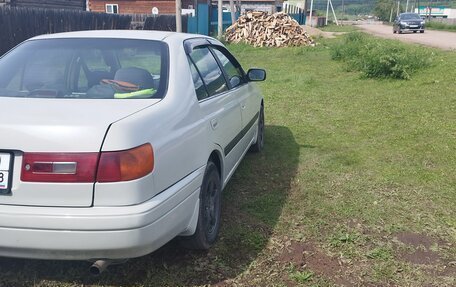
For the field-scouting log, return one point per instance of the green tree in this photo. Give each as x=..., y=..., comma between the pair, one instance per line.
x=383, y=9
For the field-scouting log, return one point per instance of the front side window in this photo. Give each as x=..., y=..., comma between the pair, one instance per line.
x=112, y=8
x=232, y=69
x=85, y=68
x=209, y=70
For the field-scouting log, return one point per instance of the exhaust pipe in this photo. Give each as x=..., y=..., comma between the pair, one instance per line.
x=101, y=265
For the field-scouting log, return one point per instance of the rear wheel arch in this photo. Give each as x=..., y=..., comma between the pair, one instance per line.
x=209, y=210
x=216, y=158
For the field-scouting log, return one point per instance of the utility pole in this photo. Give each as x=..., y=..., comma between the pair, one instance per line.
x=391, y=14
x=233, y=13
x=178, y=16
x=406, y=6
x=430, y=10
x=311, y=8
x=334, y=13
x=327, y=13
x=398, y=7
x=220, y=19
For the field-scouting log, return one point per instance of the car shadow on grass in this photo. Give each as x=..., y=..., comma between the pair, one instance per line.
x=252, y=205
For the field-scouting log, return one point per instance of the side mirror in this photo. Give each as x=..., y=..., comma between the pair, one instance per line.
x=256, y=75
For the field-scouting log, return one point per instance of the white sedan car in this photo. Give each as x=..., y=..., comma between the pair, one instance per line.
x=114, y=142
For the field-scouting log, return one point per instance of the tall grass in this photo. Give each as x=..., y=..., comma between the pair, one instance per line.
x=380, y=59
x=440, y=26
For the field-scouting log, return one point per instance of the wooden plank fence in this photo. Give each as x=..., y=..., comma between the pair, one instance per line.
x=18, y=24
x=165, y=23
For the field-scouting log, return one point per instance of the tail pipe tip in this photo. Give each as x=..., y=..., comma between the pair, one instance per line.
x=99, y=266
x=102, y=264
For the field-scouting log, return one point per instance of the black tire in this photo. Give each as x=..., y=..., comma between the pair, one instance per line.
x=422, y=31
x=400, y=31
x=394, y=31
x=259, y=144
x=414, y=31
x=208, y=225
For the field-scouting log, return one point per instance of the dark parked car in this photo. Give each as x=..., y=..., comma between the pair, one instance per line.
x=408, y=22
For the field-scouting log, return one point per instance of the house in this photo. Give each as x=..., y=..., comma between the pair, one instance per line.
x=169, y=7
x=269, y=6
x=137, y=6
x=53, y=4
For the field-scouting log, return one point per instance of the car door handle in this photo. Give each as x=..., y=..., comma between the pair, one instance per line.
x=243, y=106
x=214, y=124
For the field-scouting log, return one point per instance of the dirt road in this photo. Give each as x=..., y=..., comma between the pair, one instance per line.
x=438, y=39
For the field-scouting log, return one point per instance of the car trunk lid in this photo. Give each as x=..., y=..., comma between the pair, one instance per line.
x=57, y=126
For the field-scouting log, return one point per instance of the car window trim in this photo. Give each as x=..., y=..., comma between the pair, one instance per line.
x=219, y=63
x=191, y=44
x=215, y=96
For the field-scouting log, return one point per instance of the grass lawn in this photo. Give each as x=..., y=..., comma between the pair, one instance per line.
x=440, y=26
x=356, y=186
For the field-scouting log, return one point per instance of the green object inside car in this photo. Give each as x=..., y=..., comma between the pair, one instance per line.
x=141, y=94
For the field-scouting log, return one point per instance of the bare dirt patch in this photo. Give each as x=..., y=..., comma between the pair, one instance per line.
x=420, y=256
x=307, y=255
x=420, y=249
x=415, y=239
x=449, y=270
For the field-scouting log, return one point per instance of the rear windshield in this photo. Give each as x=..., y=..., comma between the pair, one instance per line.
x=85, y=68
x=410, y=17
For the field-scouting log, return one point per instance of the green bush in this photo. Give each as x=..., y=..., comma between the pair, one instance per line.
x=378, y=58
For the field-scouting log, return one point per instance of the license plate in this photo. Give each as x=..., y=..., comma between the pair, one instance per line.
x=6, y=161
x=413, y=26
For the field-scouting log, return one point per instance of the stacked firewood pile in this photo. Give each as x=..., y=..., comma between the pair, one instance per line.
x=262, y=29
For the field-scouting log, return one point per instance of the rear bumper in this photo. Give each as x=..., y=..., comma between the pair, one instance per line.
x=101, y=232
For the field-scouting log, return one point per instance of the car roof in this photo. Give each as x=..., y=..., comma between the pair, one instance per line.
x=409, y=13
x=120, y=34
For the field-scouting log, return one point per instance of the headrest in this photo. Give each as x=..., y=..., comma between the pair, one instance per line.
x=137, y=76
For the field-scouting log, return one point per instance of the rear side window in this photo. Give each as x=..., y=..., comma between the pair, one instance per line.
x=209, y=70
x=88, y=68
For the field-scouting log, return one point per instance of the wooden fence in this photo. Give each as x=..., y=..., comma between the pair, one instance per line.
x=165, y=23
x=19, y=24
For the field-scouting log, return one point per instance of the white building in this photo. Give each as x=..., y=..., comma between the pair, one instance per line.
x=437, y=12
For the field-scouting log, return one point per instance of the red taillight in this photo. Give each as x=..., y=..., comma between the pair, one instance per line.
x=82, y=167
x=126, y=165
x=59, y=167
